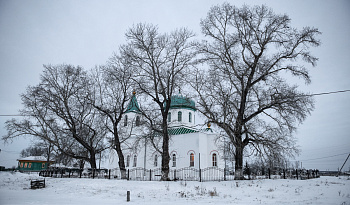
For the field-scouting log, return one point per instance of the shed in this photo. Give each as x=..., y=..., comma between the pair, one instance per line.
x=33, y=163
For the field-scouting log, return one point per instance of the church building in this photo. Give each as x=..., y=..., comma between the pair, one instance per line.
x=189, y=145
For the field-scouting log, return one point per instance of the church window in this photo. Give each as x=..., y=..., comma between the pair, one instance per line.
x=125, y=121
x=155, y=160
x=169, y=117
x=174, y=160
x=128, y=161
x=135, y=161
x=179, y=116
x=137, y=120
x=214, y=160
x=189, y=117
x=191, y=160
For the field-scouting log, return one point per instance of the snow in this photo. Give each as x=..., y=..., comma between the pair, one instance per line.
x=34, y=158
x=15, y=189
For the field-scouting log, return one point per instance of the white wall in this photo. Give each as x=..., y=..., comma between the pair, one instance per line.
x=201, y=144
x=185, y=117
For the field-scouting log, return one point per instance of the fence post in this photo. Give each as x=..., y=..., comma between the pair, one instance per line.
x=127, y=195
x=225, y=174
x=109, y=174
x=269, y=173
x=150, y=174
x=200, y=175
x=128, y=174
x=296, y=170
x=175, y=175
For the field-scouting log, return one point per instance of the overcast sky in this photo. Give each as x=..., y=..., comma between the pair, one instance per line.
x=86, y=33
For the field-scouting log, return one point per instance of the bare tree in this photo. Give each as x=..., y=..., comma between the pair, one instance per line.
x=245, y=92
x=160, y=61
x=111, y=93
x=57, y=111
x=39, y=148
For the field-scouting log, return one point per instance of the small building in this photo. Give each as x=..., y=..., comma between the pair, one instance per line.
x=33, y=163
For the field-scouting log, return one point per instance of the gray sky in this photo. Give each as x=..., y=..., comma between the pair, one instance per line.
x=86, y=33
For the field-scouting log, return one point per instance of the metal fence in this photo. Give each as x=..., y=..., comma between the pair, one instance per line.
x=185, y=174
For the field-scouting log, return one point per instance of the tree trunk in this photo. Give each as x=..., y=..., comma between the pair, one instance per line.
x=118, y=149
x=81, y=164
x=165, y=153
x=121, y=162
x=239, y=163
x=92, y=159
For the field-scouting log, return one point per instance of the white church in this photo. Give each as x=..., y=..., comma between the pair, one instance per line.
x=188, y=147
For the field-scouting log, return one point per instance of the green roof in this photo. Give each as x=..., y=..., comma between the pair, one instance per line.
x=179, y=101
x=133, y=105
x=181, y=130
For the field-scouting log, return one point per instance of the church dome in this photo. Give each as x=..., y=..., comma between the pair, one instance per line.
x=179, y=101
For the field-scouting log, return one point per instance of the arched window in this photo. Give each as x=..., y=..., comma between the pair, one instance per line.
x=128, y=161
x=137, y=120
x=214, y=159
x=189, y=117
x=174, y=160
x=191, y=160
x=169, y=117
x=155, y=160
x=135, y=161
x=125, y=121
x=179, y=116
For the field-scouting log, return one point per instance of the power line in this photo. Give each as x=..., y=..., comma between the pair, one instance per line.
x=314, y=94
x=324, y=157
x=15, y=115
x=327, y=93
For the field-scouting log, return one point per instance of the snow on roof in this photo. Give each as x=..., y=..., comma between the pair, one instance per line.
x=33, y=158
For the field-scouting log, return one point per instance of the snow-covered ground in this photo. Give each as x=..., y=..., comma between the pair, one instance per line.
x=15, y=189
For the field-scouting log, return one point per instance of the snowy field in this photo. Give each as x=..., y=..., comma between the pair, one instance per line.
x=15, y=189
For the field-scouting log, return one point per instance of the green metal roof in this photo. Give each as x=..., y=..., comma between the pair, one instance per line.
x=179, y=101
x=181, y=130
x=133, y=105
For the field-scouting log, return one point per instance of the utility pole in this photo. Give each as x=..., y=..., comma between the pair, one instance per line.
x=343, y=164
x=144, y=158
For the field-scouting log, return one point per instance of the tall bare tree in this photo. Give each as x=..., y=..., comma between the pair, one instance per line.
x=57, y=111
x=160, y=61
x=245, y=92
x=110, y=95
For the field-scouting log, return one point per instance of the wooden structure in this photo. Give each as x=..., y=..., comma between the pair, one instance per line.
x=33, y=163
x=37, y=184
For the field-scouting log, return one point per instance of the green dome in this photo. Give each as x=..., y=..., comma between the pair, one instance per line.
x=179, y=101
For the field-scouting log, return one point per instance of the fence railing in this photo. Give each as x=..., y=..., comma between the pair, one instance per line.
x=185, y=174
